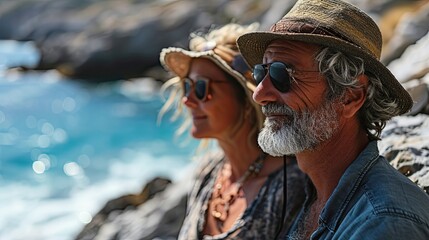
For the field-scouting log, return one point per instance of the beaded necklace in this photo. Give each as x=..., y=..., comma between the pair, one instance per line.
x=221, y=202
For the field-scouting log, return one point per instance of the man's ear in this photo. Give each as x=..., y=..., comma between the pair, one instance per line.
x=355, y=98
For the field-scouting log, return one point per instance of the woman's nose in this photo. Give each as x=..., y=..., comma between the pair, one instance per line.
x=190, y=100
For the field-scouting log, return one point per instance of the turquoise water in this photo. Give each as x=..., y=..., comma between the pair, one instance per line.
x=67, y=146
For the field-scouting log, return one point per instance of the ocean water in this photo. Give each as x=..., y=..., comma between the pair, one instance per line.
x=66, y=146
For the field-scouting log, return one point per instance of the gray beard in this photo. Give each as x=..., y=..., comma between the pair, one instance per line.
x=296, y=132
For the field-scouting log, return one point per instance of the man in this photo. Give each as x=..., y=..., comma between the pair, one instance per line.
x=327, y=97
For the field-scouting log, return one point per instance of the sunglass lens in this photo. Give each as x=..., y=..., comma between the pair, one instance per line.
x=187, y=86
x=280, y=76
x=201, y=89
x=259, y=73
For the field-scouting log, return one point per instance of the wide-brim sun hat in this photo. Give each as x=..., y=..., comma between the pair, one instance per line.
x=220, y=47
x=330, y=23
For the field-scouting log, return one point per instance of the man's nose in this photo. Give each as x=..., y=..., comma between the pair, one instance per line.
x=265, y=92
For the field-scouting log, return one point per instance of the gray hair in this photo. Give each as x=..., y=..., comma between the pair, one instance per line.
x=341, y=72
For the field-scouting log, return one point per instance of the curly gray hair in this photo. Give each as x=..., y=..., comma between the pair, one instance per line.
x=342, y=71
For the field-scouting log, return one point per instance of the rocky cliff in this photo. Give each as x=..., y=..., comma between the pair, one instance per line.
x=108, y=40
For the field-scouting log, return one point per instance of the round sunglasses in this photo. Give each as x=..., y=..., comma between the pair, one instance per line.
x=200, y=86
x=281, y=75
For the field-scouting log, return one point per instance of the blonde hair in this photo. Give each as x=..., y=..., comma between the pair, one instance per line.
x=223, y=43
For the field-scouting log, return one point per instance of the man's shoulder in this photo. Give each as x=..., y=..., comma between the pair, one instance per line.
x=383, y=182
x=388, y=192
x=386, y=206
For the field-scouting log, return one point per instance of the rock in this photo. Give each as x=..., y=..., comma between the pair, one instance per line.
x=414, y=62
x=110, y=40
x=159, y=217
x=412, y=70
x=123, y=203
x=122, y=50
x=405, y=144
x=100, y=40
x=412, y=24
x=104, y=40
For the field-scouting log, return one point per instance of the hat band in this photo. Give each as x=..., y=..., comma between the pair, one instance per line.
x=288, y=25
x=239, y=65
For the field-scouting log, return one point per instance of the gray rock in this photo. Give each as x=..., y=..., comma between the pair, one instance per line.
x=103, y=40
x=405, y=144
x=160, y=217
x=411, y=70
x=414, y=62
x=109, y=40
x=411, y=27
x=121, y=204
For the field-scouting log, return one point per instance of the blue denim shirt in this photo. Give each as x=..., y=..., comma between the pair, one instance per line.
x=372, y=201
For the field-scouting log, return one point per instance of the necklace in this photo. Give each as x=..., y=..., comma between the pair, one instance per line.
x=221, y=202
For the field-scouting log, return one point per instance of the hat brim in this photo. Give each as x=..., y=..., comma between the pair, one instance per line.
x=253, y=45
x=178, y=61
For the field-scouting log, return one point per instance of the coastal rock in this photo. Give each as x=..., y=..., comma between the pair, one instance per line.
x=109, y=40
x=412, y=70
x=103, y=40
x=414, y=62
x=159, y=217
x=121, y=45
x=405, y=144
x=121, y=204
x=403, y=26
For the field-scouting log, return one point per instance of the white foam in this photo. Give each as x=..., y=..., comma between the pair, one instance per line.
x=30, y=212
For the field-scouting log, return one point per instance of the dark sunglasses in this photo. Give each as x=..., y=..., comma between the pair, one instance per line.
x=200, y=86
x=281, y=75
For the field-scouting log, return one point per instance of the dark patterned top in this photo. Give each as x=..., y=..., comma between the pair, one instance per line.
x=261, y=219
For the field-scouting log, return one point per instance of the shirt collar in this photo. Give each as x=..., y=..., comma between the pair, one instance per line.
x=348, y=186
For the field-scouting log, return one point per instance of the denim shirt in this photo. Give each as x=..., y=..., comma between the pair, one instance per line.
x=371, y=201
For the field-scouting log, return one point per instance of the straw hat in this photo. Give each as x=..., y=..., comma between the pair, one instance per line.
x=335, y=24
x=219, y=45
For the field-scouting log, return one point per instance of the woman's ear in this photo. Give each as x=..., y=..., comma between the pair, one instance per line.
x=355, y=98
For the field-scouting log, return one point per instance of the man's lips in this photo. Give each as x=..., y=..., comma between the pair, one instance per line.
x=278, y=117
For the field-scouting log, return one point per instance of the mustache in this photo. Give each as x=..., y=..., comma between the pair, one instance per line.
x=277, y=109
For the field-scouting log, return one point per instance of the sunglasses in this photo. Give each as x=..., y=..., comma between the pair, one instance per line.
x=281, y=75
x=200, y=86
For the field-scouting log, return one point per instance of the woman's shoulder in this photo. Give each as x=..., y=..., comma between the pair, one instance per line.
x=204, y=176
x=206, y=166
x=208, y=162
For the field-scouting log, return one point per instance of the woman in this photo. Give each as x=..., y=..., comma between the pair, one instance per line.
x=238, y=192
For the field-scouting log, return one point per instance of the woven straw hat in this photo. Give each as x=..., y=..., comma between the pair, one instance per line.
x=335, y=24
x=219, y=45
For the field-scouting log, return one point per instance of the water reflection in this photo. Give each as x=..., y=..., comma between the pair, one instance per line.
x=39, y=167
x=68, y=143
x=72, y=169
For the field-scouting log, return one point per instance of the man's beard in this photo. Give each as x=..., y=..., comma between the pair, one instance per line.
x=296, y=132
